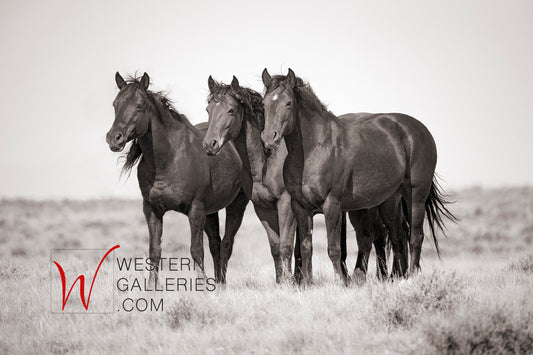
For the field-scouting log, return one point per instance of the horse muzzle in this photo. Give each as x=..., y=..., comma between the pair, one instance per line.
x=271, y=140
x=212, y=146
x=116, y=141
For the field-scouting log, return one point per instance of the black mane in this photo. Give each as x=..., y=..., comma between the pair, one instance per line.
x=161, y=101
x=163, y=104
x=250, y=99
x=305, y=96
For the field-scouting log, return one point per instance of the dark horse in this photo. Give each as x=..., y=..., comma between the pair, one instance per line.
x=236, y=114
x=174, y=172
x=336, y=165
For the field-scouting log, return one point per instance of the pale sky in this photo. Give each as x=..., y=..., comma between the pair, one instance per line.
x=463, y=68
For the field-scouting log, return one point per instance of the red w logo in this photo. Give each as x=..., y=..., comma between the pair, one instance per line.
x=82, y=282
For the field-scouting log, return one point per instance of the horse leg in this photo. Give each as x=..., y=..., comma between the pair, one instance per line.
x=419, y=195
x=269, y=219
x=155, y=228
x=403, y=236
x=406, y=191
x=417, y=236
x=287, y=226
x=212, y=230
x=297, y=258
x=234, y=214
x=304, y=221
x=344, y=252
x=197, y=221
x=298, y=253
x=333, y=215
x=380, y=242
x=389, y=212
x=359, y=220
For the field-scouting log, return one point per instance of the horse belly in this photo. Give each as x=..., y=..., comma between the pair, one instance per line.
x=215, y=205
x=221, y=196
x=371, y=187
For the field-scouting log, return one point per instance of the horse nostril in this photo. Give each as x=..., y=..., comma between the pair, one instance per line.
x=274, y=135
x=118, y=137
x=213, y=143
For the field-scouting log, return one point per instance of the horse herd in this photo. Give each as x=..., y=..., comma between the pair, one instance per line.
x=292, y=158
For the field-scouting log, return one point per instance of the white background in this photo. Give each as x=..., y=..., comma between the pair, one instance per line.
x=465, y=69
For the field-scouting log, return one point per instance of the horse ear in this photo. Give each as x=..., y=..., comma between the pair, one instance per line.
x=235, y=83
x=145, y=81
x=266, y=77
x=291, y=78
x=120, y=80
x=211, y=84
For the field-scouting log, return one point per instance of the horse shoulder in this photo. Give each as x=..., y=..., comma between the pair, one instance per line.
x=145, y=177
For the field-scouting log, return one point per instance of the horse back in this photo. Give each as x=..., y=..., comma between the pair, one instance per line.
x=418, y=143
x=413, y=142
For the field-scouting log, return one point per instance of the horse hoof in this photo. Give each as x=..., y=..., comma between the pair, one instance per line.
x=285, y=279
x=359, y=277
x=381, y=277
x=414, y=271
x=297, y=277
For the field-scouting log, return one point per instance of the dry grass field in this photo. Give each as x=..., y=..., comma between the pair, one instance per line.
x=475, y=299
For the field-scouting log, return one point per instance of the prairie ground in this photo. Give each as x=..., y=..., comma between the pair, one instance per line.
x=475, y=299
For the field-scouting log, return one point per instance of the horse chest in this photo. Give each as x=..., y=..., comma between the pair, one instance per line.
x=165, y=190
x=307, y=188
x=165, y=197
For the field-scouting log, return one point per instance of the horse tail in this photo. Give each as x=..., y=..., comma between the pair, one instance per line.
x=133, y=155
x=436, y=210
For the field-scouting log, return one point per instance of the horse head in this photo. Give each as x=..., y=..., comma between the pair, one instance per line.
x=132, y=112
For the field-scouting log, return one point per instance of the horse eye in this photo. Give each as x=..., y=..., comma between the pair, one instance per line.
x=139, y=106
x=230, y=111
x=289, y=104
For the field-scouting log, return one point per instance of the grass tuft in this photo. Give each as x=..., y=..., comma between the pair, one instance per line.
x=401, y=304
x=484, y=331
x=10, y=270
x=192, y=310
x=524, y=264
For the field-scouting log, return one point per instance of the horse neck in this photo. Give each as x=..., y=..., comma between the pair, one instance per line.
x=311, y=128
x=250, y=149
x=158, y=149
